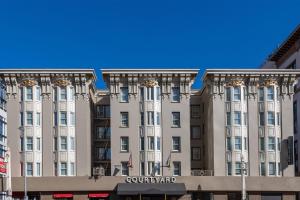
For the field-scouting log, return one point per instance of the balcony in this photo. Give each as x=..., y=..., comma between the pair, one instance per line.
x=201, y=172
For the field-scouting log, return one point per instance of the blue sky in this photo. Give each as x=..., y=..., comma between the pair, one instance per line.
x=149, y=34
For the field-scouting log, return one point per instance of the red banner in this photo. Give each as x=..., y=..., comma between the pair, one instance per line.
x=2, y=166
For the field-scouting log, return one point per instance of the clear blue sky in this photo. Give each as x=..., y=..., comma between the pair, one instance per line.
x=132, y=34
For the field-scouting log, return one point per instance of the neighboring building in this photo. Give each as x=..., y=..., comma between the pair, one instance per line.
x=150, y=136
x=287, y=56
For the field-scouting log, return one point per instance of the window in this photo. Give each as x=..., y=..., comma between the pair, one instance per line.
x=175, y=94
x=262, y=169
x=55, y=94
x=157, y=168
x=229, y=168
x=63, y=169
x=38, y=93
x=237, y=93
x=63, y=143
x=124, y=144
x=195, y=111
x=142, y=169
x=271, y=118
x=158, y=93
x=124, y=94
x=261, y=94
x=22, y=143
x=238, y=143
x=29, y=94
x=38, y=169
x=103, y=111
x=21, y=119
x=142, y=119
x=238, y=168
x=29, y=143
x=237, y=117
x=124, y=119
x=151, y=168
x=228, y=144
x=261, y=143
x=176, y=119
x=38, y=144
x=150, y=143
x=270, y=93
x=158, y=118
x=55, y=169
x=228, y=118
x=125, y=170
x=29, y=118
x=176, y=168
x=158, y=143
x=196, y=154
x=38, y=119
x=102, y=132
x=63, y=93
x=55, y=118
x=150, y=93
x=176, y=143
x=55, y=143
x=261, y=118
x=73, y=118
x=271, y=143
x=72, y=143
x=142, y=143
x=63, y=118
x=142, y=97
x=279, y=169
x=272, y=168
x=228, y=94
x=72, y=169
x=195, y=132
x=150, y=118
x=278, y=118
x=29, y=169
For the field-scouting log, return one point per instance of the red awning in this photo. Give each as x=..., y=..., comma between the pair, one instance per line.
x=98, y=195
x=58, y=196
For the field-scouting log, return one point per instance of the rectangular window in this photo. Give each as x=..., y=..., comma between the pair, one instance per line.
x=176, y=144
x=158, y=118
x=29, y=169
x=228, y=118
x=63, y=169
x=272, y=168
x=124, y=119
x=158, y=143
x=124, y=94
x=271, y=118
x=72, y=143
x=72, y=169
x=38, y=93
x=125, y=170
x=72, y=118
x=142, y=143
x=63, y=143
x=142, y=119
x=228, y=94
x=151, y=168
x=21, y=119
x=245, y=143
x=150, y=143
x=261, y=143
x=238, y=168
x=270, y=93
x=150, y=93
x=176, y=168
x=238, y=143
x=124, y=144
x=55, y=169
x=55, y=143
x=261, y=94
x=195, y=132
x=228, y=144
x=38, y=144
x=271, y=143
x=63, y=93
x=29, y=118
x=29, y=94
x=142, y=95
x=103, y=111
x=195, y=111
x=262, y=169
x=279, y=169
x=22, y=143
x=229, y=168
x=261, y=118
x=157, y=167
x=142, y=169
x=196, y=154
x=29, y=143
x=55, y=118
x=38, y=119
x=158, y=93
x=150, y=118
x=63, y=118
x=38, y=169
x=176, y=119
x=237, y=93
x=237, y=117
x=175, y=94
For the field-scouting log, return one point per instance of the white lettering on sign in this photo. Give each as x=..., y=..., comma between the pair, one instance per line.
x=157, y=179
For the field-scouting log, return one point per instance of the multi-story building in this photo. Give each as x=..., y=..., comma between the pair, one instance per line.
x=287, y=56
x=150, y=136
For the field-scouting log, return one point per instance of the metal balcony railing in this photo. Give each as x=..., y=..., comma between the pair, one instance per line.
x=201, y=172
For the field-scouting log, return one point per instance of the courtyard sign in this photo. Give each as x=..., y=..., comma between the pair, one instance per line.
x=145, y=179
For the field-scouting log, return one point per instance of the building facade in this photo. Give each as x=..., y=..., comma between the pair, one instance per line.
x=149, y=135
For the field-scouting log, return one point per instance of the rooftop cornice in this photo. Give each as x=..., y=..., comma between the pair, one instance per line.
x=149, y=71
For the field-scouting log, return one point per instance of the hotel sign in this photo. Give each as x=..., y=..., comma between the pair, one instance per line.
x=150, y=179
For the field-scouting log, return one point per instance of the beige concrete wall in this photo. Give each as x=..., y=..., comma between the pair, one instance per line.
x=288, y=196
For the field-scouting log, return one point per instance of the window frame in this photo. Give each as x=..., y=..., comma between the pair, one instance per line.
x=126, y=144
x=124, y=119
x=176, y=147
x=176, y=120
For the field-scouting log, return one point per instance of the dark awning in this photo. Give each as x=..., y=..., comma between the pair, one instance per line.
x=149, y=188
